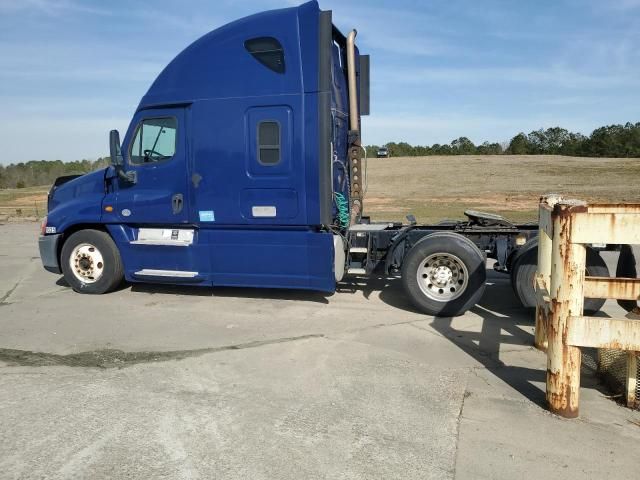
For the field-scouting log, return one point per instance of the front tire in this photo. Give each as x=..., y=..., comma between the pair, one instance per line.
x=444, y=274
x=91, y=262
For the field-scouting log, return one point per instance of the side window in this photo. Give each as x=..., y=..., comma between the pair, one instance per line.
x=269, y=137
x=269, y=143
x=154, y=141
x=268, y=51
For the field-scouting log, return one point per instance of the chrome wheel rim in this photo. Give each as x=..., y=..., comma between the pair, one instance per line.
x=87, y=263
x=443, y=277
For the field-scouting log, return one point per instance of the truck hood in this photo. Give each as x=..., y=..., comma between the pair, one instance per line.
x=87, y=185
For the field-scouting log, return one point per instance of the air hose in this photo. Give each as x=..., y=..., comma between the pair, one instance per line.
x=343, y=209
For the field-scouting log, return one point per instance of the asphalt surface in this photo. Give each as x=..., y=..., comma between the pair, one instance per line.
x=163, y=382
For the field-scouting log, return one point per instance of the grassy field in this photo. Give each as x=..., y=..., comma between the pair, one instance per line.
x=24, y=202
x=438, y=187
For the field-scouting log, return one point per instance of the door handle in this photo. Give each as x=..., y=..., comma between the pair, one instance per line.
x=177, y=202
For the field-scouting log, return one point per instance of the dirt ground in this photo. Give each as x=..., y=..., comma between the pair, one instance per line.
x=438, y=187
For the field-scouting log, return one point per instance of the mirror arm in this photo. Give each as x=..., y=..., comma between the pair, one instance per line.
x=130, y=177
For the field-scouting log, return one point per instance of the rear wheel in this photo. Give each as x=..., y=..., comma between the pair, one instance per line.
x=523, y=271
x=627, y=268
x=91, y=262
x=444, y=274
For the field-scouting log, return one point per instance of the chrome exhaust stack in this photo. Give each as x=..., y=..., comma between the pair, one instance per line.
x=352, y=81
x=355, y=146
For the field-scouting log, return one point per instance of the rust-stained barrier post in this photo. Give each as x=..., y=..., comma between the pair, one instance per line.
x=566, y=227
x=568, y=262
x=545, y=238
x=632, y=379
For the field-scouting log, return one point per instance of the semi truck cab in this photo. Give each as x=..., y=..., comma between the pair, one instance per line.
x=243, y=166
x=228, y=172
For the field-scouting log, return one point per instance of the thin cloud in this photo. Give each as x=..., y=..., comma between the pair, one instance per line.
x=623, y=5
x=57, y=138
x=38, y=62
x=408, y=45
x=51, y=7
x=128, y=71
x=196, y=25
x=556, y=76
x=573, y=100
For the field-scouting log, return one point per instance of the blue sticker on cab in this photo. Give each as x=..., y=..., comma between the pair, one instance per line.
x=207, y=216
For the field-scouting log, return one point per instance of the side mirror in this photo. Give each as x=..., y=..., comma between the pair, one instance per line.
x=116, y=158
x=114, y=149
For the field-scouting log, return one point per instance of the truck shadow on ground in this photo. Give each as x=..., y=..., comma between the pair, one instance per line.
x=500, y=328
x=231, y=292
x=503, y=327
x=223, y=292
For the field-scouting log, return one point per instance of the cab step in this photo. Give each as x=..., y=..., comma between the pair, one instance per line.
x=148, y=272
x=164, y=243
x=356, y=271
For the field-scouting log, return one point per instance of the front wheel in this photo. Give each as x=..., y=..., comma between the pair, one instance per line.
x=91, y=262
x=444, y=274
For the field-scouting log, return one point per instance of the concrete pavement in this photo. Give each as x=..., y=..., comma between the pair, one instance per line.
x=164, y=382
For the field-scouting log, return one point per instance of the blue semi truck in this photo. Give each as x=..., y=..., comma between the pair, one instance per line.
x=243, y=166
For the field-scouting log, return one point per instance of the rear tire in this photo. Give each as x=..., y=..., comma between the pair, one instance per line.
x=524, y=268
x=627, y=268
x=444, y=274
x=91, y=262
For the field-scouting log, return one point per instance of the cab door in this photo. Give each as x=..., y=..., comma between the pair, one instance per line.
x=249, y=161
x=155, y=149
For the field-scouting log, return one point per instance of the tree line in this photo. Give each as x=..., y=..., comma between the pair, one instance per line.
x=608, y=141
x=622, y=141
x=44, y=172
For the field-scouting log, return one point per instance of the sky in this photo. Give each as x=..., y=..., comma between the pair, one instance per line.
x=71, y=70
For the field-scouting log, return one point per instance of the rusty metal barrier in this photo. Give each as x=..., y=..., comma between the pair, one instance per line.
x=566, y=227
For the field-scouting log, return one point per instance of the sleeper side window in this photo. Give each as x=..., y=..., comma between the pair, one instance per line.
x=269, y=151
x=268, y=51
x=154, y=141
x=269, y=142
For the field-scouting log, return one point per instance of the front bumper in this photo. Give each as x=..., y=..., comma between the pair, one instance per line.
x=48, y=245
